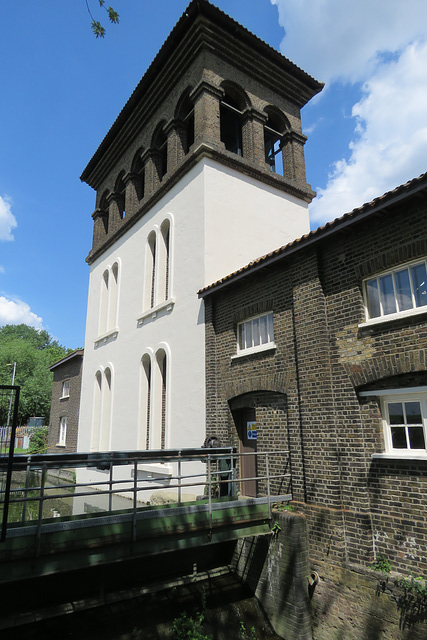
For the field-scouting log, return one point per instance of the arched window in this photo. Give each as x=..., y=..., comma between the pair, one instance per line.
x=150, y=271
x=160, y=149
x=159, y=395
x=96, y=415
x=109, y=299
x=105, y=425
x=120, y=190
x=231, y=123
x=274, y=130
x=145, y=404
x=138, y=169
x=163, y=267
x=113, y=297
x=103, y=309
x=185, y=114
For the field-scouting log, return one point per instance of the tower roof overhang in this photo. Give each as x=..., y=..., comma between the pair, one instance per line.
x=202, y=26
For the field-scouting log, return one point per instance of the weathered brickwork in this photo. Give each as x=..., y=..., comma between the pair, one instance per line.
x=325, y=355
x=68, y=369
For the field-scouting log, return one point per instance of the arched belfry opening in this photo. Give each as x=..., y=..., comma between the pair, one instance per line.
x=184, y=116
x=232, y=107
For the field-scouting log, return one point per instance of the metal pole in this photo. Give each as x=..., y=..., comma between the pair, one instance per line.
x=179, y=477
x=11, y=393
x=135, y=490
x=9, y=466
x=210, y=492
x=268, y=485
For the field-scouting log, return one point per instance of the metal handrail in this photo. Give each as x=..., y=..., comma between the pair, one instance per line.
x=211, y=479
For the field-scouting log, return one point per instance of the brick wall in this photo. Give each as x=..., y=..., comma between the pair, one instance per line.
x=65, y=407
x=356, y=506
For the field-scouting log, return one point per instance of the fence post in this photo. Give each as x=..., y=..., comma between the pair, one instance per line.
x=179, y=477
x=267, y=473
x=41, y=502
x=210, y=493
x=135, y=490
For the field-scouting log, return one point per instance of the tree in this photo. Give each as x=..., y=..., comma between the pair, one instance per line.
x=34, y=352
x=97, y=27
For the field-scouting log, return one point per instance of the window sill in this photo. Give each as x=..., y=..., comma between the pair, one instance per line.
x=392, y=317
x=251, y=352
x=152, y=313
x=404, y=457
x=107, y=337
x=62, y=446
x=64, y=397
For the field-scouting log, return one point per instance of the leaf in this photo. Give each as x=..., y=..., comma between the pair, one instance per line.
x=113, y=15
x=98, y=29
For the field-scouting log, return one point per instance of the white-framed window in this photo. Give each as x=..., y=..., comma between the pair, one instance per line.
x=404, y=416
x=398, y=291
x=65, y=389
x=62, y=432
x=255, y=334
x=405, y=423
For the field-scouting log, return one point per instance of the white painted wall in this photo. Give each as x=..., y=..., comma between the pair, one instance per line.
x=220, y=221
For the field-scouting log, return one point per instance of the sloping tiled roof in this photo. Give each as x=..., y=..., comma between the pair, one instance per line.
x=358, y=214
x=74, y=354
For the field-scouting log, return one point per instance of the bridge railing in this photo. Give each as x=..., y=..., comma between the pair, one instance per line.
x=41, y=483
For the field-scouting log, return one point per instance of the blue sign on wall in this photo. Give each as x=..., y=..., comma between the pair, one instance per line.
x=252, y=430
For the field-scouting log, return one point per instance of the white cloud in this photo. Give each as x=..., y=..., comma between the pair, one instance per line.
x=7, y=220
x=18, y=312
x=383, y=46
x=2, y=270
x=390, y=141
x=342, y=39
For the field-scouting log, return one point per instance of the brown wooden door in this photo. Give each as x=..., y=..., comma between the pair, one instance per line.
x=246, y=427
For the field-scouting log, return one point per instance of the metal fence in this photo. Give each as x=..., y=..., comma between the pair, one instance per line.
x=38, y=480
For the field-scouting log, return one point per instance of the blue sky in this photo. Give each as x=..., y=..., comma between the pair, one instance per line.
x=61, y=89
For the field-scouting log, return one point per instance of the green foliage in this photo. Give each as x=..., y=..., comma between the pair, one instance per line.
x=279, y=506
x=245, y=634
x=34, y=352
x=382, y=563
x=96, y=26
x=189, y=627
x=276, y=529
x=38, y=440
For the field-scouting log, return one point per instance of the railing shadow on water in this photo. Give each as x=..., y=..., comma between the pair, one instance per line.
x=67, y=485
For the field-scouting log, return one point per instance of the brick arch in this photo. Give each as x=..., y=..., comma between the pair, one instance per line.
x=241, y=386
x=380, y=367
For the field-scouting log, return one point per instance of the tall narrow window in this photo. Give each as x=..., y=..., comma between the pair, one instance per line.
x=159, y=402
x=104, y=440
x=103, y=310
x=163, y=267
x=160, y=150
x=150, y=271
x=65, y=389
x=96, y=417
x=113, y=297
x=145, y=404
x=138, y=169
x=62, y=432
x=231, y=125
x=273, y=143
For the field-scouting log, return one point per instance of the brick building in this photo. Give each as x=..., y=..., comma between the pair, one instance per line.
x=202, y=170
x=64, y=410
x=323, y=343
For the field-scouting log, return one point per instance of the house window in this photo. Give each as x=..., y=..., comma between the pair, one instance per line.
x=62, y=432
x=397, y=291
x=405, y=420
x=65, y=389
x=256, y=334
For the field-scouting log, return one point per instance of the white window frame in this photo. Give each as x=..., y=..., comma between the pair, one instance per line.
x=62, y=440
x=251, y=322
x=399, y=313
x=65, y=389
x=388, y=396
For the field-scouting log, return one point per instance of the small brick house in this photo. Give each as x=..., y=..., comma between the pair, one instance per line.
x=64, y=411
x=323, y=343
